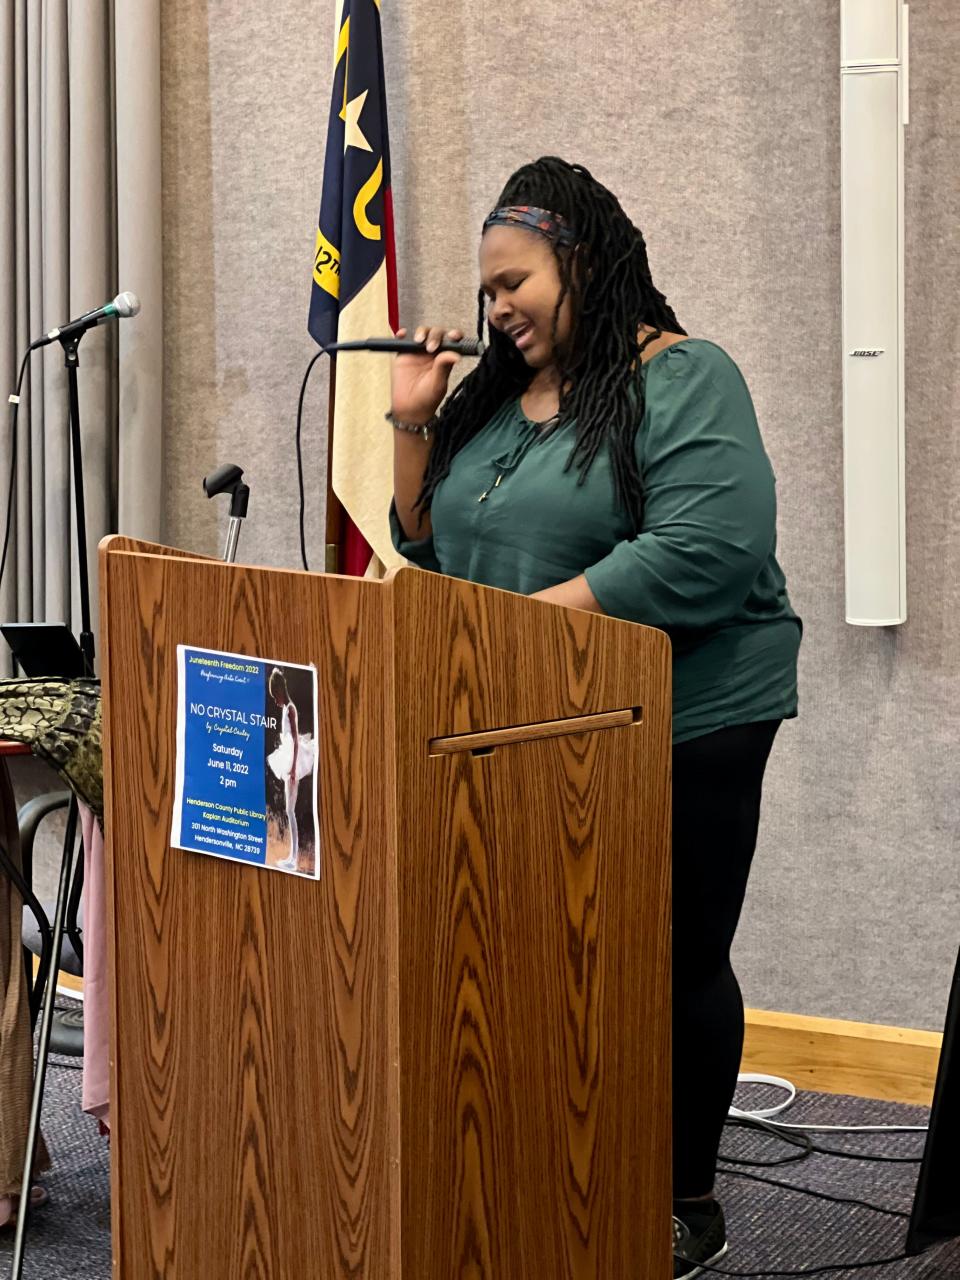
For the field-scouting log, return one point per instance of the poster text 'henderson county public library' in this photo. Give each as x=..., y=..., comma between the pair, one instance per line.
x=246, y=776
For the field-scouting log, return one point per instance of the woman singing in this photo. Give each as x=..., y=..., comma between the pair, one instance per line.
x=600, y=458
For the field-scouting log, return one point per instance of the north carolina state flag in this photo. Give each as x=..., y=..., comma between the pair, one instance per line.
x=354, y=291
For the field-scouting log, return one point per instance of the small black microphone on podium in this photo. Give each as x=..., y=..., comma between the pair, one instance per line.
x=229, y=479
x=123, y=306
x=407, y=346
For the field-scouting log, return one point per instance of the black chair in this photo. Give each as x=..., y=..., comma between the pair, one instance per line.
x=67, y=1033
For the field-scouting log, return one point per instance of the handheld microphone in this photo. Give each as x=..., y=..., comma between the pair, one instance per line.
x=123, y=305
x=407, y=346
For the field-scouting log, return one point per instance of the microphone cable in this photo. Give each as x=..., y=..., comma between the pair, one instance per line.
x=14, y=402
x=303, y=500
x=817, y=1195
x=386, y=346
x=799, y=1137
x=807, y=1146
x=123, y=305
x=827, y=1269
x=767, y=1120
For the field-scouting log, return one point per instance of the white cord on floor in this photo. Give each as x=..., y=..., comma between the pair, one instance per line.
x=767, y=1113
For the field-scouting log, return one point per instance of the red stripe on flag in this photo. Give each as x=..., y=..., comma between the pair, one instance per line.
x=390, y=248
x=355, y=551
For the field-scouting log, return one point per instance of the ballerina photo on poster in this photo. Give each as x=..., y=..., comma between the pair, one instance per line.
x=291, y=762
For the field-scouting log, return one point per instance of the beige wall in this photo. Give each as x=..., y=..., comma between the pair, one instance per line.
x=717, y=124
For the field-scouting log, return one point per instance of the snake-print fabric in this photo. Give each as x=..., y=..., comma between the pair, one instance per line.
x=60, y=721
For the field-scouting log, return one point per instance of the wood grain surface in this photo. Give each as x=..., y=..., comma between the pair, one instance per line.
x=250, y=1083
x=449, y=1058
x=830, y=1055
x=533, y=942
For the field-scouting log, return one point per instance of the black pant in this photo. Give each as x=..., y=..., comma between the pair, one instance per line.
x=717, y=781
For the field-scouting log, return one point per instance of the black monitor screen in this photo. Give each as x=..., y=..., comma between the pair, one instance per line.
x=44, y=649
x=936, y=1206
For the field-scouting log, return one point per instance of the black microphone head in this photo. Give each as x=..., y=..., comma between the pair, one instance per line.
x=223, y=480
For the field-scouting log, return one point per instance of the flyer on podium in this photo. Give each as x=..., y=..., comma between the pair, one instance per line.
x=246, y=774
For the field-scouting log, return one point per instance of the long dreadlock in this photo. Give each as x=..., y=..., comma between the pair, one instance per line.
x=607, y=277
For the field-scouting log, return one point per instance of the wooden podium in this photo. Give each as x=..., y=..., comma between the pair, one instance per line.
x=449, y=1057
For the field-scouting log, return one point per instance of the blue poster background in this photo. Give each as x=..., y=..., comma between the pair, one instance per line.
x=225, y=719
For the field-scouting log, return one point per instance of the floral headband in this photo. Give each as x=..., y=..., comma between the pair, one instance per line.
x=552, y=225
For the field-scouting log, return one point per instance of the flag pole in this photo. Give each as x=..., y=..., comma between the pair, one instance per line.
x=334, y=508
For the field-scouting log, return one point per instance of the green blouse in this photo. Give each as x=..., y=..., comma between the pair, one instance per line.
x=703, y=567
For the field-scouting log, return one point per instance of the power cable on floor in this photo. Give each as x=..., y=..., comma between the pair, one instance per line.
x=831, y=1268
x=818, y=1195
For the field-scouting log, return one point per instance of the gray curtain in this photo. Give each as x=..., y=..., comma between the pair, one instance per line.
x=79, y=220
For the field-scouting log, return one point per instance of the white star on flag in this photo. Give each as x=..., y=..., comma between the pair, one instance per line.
x=352, y=134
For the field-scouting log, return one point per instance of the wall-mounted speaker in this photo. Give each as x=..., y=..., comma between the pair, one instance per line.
x=874, y=112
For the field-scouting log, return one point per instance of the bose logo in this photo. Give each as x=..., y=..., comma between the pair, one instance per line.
x=868, y=351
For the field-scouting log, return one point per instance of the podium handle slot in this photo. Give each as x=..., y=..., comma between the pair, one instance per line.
x=486, y=742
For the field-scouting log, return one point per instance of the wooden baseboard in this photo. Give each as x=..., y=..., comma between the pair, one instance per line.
x=67, y=984
x=829, y=1056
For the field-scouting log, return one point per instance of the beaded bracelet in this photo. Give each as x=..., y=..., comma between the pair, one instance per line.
x=424, y=429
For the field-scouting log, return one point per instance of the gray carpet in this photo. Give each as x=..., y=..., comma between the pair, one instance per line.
x=70, y=1236
x=770, y=1229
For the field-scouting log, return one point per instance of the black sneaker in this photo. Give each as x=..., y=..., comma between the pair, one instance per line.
x=699, y=1238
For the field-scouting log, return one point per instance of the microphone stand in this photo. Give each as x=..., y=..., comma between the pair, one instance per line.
x=72, y=362
x=87, y=646
x=71, y=868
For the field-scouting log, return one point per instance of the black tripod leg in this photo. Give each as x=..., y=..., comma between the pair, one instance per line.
x=43, y=1049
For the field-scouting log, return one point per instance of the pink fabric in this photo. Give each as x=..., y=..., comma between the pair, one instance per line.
x=96, y=995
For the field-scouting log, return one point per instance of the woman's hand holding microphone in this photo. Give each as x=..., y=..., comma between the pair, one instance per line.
x=420, y=381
